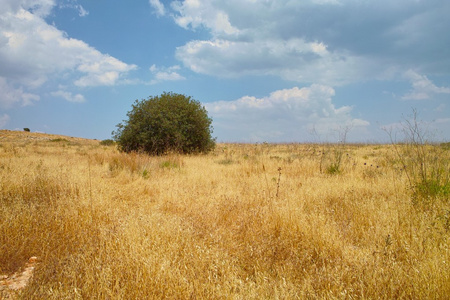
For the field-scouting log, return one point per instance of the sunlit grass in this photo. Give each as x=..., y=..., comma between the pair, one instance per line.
x=245, y=222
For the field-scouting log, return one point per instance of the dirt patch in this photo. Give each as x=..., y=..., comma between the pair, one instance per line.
x=11, y=285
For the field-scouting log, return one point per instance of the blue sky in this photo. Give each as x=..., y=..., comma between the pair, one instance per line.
x=275, y=71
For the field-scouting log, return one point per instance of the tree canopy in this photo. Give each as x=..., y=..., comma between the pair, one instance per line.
x=167, y=123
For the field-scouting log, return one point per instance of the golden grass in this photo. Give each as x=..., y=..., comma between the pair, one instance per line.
x=227, y=225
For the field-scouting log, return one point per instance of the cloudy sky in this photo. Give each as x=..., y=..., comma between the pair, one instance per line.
x=266, y=70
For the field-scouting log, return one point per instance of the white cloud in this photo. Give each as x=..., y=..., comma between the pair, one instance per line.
x=98, y=78
x=168, y=76
x=317, y=41
x=422, y=87
x=40, y=8
x=293, y=59
x=153, y=68
x=4, y=119
x=69, y=96
x=32, y=52
x=81, y=11
x=73, y=4
x=283, y=116
x=165, y=74
x=197, y=13
x=10, y=95
x=158, y=6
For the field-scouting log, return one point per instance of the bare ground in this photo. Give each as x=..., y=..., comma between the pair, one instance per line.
x=11, y=285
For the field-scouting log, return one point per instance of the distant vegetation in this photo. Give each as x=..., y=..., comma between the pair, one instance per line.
x=59, y=140
x=167, y=123
x=446, y=146
x=26, y=129
x=107, y=142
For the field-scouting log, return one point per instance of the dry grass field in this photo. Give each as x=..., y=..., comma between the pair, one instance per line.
x=247, y=221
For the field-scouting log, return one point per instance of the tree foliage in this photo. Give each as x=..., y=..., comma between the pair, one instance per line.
x=161, y=124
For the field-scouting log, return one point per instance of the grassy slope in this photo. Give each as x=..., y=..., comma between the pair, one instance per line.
x=230, y=224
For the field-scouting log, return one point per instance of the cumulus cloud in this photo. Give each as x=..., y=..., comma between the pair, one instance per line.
x=208, y=14
x=40, y=8
x=325, y=41
x=422, y=87
x=165, y=74
x=283, y=116
x=294, y=59
x=32, y=52
x=4, y=119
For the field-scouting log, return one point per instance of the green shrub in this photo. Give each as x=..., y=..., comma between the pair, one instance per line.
x=225, y=161
x=167, y=123
x=107, y=142
x=169, y=164
x=59, y=140
x=432, y=188
x=334, y=168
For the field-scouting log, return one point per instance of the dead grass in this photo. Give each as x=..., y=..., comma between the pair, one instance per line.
x=127, y=226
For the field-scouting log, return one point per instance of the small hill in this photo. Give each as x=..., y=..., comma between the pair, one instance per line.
x=15, y=136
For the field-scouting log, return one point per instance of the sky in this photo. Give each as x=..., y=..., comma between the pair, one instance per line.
x=265, y=70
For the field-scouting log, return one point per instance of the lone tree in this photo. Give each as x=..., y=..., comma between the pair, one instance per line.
x=161, y=124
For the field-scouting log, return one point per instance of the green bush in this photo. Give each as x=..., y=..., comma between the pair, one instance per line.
x=334, y=168
x=167, y=123
x=26, y=129
x=58, y=140
x=107, y=142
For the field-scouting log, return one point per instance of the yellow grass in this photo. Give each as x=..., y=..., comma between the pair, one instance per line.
x=244, y=222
